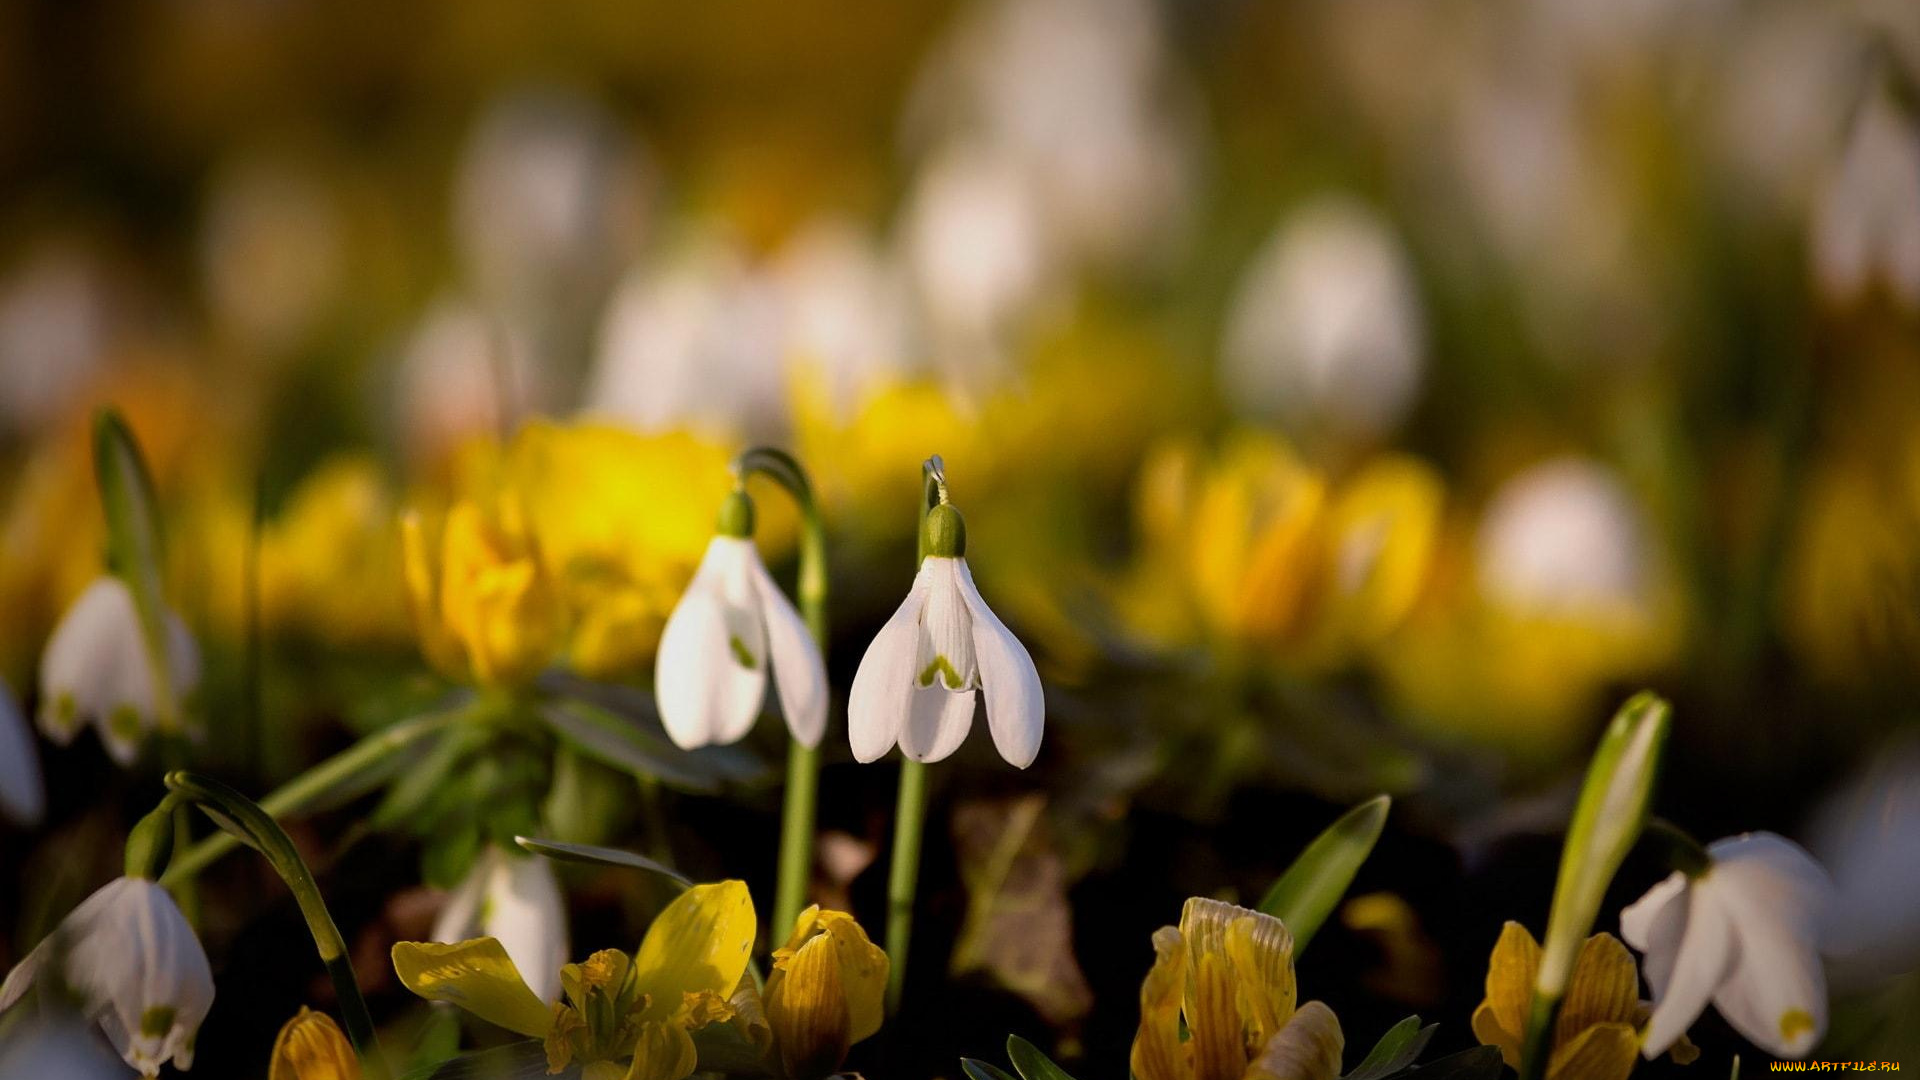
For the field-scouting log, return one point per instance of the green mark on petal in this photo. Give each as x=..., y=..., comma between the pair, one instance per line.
x=944, y=668
x=124, y=722
x=1795, y=1022
x=741, y=654
x=157, y=1021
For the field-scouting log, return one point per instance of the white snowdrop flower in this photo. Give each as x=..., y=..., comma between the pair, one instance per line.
x=463, y=372
x=1742, y=934
x=23, y=796
x=1326, y=328
x=95, y=670
x=134, y=960
x=1868, y=835
x=1866, y=226
x=515, y=900
x=917, y=682
x=1565, y=539
x=730, y=626
x=693, y=342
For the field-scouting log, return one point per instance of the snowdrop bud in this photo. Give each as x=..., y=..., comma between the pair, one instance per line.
x=134, y=959
x=95, y=669
x=514, y=899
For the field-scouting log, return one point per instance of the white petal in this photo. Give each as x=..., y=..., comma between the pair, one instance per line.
x=1639, y=920
x=945, y=654
x=135, y=953
x=23, y=796
x=1016, y=706
x=525, y=912
x=1694, y=967
x=937, y=722
x=799, y=672
x=878, y=702
x=459, y=917
x=705, y=693
x=98, y=636
x=1776, y=897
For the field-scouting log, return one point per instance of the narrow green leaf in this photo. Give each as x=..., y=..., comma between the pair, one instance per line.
x=1479, y=1063
x=631, y=747
x=1307, y=893
x=981, y=1070
x=1397, y=1049
x=523, y=1060
x=134, y=551
x=602, y=856
x=1031, y=1063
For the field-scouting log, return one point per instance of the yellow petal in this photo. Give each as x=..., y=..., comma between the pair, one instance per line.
x=806, y=1006
x=475, y=975
x=1604, y=989
x=1307, y=1048
x=863, y=973
x=1510, y=974
x=312, y=1047
x=1600, y=1052
x=1262, y=953
x=1486, y=1028
x=699, y=944
x=1157, y=1050
x=1242, y=986
x=664, y=1051
x=423, y=602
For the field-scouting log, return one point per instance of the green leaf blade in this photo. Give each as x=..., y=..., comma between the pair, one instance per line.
x=1310, y=889
x=1398, y=1048
x=1031, y=1063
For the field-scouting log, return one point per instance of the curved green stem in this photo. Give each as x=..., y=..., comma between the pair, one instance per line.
x=316, y=783
x=803, y=762
x=246, y=821
x=903, y=874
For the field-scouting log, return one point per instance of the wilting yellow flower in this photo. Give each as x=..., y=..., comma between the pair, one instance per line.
x=1256, y=548
x=1228, y=973
x=642, y=1008
x=1596, y=1036
x=825, y=994
x=312, y=1047
x=486, y=610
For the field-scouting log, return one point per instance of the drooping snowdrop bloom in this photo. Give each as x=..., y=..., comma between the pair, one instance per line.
x=1743, y=934
x=1566, y=539
x=732, y=625
x=23, y=796
x=96, y=670
x=133, y=959
x=515, y=900
x=917, y=683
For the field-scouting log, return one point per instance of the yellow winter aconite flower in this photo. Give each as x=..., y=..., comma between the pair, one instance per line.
x=630, y=1017
x=327, y=562
x=1596, y=1036
x=1227, y=972
x=486, y=609
x=1256, y=548
x=312, y=1047
x=826, y=993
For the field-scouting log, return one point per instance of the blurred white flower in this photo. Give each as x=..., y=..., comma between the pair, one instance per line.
x=514, y=899
x=1325, y=328
x=95, y=670
x=550, y=198
x=693, y=341
x=270, y=252
x=1564, y=538
x=975, y=242
x=731, y=625
x=463, y=373
x=1789, y=74
x=1743, y=935
x=844, y=315
x=1083, y=95
x=1868, y=835
x=23, y=796
x=56, y=321
x=56, y=1045
x=916, y=683
x=134, y=960
x=1866, y=226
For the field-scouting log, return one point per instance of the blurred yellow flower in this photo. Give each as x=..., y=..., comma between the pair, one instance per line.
x=642, y=1008
x=1596, y=1036
x=1226, y=976
x=312, y=1047
x=486, y=609
x=328, y=565
x=1258, y=550
x=1853, y=570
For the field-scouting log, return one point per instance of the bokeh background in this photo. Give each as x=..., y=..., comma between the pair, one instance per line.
x=1343, y=397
